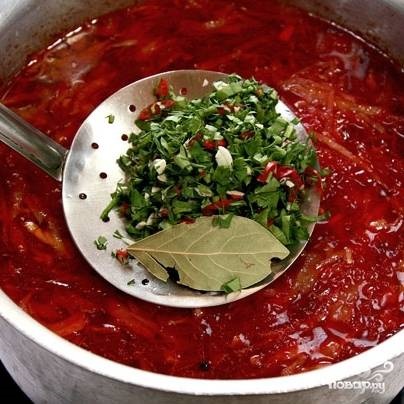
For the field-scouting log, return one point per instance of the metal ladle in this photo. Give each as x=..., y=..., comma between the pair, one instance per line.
x=89, y=174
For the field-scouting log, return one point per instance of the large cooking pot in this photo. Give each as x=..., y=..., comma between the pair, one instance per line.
x=50, y=369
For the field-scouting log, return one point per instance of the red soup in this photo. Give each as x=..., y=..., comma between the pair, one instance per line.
x=346, y=292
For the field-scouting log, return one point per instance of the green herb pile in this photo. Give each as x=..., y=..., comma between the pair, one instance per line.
x=227, y=154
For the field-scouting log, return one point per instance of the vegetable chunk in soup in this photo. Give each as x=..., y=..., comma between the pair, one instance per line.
x=344, y=295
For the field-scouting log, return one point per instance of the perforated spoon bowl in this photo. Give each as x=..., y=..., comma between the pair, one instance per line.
x=89, y=173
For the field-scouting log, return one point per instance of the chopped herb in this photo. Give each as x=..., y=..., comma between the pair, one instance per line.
x=325, y=171
x=117, y=234
x=101, y=243
x=223, y=221
x=111, y=119
x=229, y=153
x=232, y=286
x=131, y=282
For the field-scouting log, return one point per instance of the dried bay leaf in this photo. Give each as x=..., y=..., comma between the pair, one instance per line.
x=207, y=257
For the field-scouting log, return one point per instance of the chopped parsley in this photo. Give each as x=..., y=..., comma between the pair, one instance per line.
x=229, y=153
x=110, y=118
x=101, y=243
x=232, y=286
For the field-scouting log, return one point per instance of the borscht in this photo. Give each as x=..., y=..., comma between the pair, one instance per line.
x=345, y=293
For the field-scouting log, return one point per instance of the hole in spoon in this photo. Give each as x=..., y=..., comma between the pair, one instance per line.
x=95, y=145
x=83, y=196
x=132, y=108
x=103, y=175
x=124, y=137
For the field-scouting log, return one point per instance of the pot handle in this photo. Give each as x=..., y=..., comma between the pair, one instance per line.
x=32, y=143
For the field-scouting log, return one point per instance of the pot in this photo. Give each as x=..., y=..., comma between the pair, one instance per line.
x=50, y=369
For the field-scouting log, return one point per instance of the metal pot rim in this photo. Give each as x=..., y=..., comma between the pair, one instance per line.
x=14, y=315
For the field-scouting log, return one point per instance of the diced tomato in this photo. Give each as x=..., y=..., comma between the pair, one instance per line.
x=162, y=89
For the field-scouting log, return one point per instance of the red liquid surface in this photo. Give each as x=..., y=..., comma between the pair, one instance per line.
x=346, y=292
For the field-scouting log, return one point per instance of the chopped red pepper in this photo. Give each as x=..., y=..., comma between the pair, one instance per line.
x=124, y=209
x=248, y=134
x=162, y=89
x=122, y=256
x=290, y=174
x=211, y=144
x=194, y=139
x=312, y=177
x=280, y=172
x=214, y=207
x=269, y=168
x=155, y=109
x=283, y=172
x=163, y=212
x=167, y=103
x=235, y=197
x=187, y=220
x=226, y=108
x=221, y=110
x=145, y=114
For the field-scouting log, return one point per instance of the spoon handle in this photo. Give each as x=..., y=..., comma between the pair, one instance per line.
x=32, y=143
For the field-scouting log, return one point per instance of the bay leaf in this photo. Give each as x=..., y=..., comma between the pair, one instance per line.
x=207, y=257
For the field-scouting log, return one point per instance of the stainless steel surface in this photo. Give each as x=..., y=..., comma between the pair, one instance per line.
x=82, y=169
x=50, y=369
x=81, y=176
x=31, y=143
